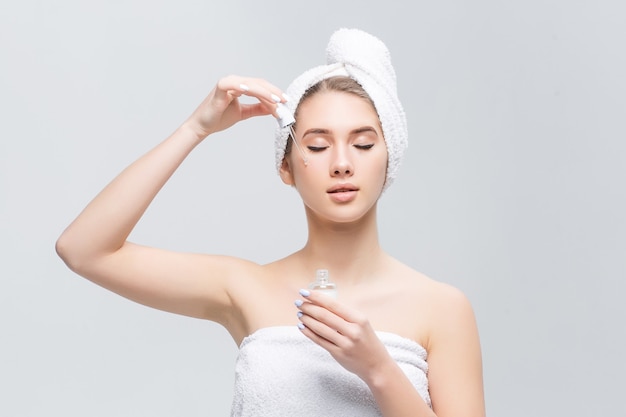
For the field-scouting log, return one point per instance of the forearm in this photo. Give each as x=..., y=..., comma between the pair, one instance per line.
x=395, y=394
x=104, y=225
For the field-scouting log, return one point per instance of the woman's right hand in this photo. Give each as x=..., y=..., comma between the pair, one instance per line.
x=95, y=244
x=222, y=108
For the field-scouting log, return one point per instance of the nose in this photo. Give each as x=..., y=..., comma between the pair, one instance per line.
x=341, y=164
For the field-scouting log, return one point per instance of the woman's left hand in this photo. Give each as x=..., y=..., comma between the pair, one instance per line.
x=345, y=333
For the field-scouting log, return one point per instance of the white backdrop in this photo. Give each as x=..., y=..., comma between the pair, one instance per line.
x=512, y=188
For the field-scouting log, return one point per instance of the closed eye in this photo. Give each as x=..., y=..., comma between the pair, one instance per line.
x=316, y=148
x=364, y=147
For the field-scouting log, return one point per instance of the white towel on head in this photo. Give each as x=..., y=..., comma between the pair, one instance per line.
x=280, y=372
x=366, y=59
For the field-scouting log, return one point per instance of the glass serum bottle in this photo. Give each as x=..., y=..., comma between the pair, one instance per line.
x=323, y=283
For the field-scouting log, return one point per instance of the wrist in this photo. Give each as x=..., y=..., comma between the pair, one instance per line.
x=379, y=376
x=192, y=132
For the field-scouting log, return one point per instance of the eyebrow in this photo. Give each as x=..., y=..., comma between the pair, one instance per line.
x=364, y=129
x=318, y=131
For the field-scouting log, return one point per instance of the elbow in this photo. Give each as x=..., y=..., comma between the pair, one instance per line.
x=79, y=254
x=68, y=252
x=62, y=249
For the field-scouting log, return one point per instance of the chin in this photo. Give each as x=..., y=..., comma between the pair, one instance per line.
x=343, y=215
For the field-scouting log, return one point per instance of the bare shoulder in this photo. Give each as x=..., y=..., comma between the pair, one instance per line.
x=437, y=292
x=437, y=306
x=450, y=336
x=453, y=315
x=447, y=329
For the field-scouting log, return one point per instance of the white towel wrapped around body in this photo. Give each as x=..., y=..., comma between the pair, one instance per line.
x=280, y=372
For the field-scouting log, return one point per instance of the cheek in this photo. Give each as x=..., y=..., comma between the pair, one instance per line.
x=304, y=176
x=379, y=174
x=382, y=162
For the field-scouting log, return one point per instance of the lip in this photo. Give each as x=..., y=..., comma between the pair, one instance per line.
x=343, y=193
x=345, y=187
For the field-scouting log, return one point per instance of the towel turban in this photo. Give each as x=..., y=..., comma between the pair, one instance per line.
x=366, y=59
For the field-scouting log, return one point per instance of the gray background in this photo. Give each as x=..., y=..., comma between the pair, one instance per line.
x=512, y=188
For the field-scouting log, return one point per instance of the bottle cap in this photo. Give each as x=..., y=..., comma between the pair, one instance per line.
x=321, y=275
x=285, y=118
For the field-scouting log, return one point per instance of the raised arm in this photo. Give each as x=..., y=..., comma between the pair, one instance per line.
x=95, y=244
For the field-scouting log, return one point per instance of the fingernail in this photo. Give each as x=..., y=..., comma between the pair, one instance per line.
x=300, y=314
x=299, y=303
x=300, y=326
x=244, y=87
x=286, y=97
x=276, y=98
x=305, y=293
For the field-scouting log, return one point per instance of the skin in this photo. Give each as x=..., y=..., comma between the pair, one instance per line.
x=344, y=143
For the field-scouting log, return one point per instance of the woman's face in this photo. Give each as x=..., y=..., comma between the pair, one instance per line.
x=346, y=152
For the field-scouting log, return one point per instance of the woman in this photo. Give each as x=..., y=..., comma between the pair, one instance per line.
x=392, y=343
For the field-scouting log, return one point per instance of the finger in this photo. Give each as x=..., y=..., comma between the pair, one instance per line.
x=326, y=327
x=253, y=87
x=332, y=304
x=330, y=326
x=257, y=109
x=319, y=332
x=276, y=94
x=321, y=329
x=323, y=342
x=230, y=87
x=319, y=320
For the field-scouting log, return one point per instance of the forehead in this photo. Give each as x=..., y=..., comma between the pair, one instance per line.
x=337, y=108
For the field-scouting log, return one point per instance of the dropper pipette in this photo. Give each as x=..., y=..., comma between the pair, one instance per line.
x=286, y=119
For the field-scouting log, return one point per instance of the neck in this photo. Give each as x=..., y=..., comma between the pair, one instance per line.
x=350, y=251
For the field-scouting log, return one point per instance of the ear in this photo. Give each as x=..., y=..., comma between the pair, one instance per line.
x=285, y=172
